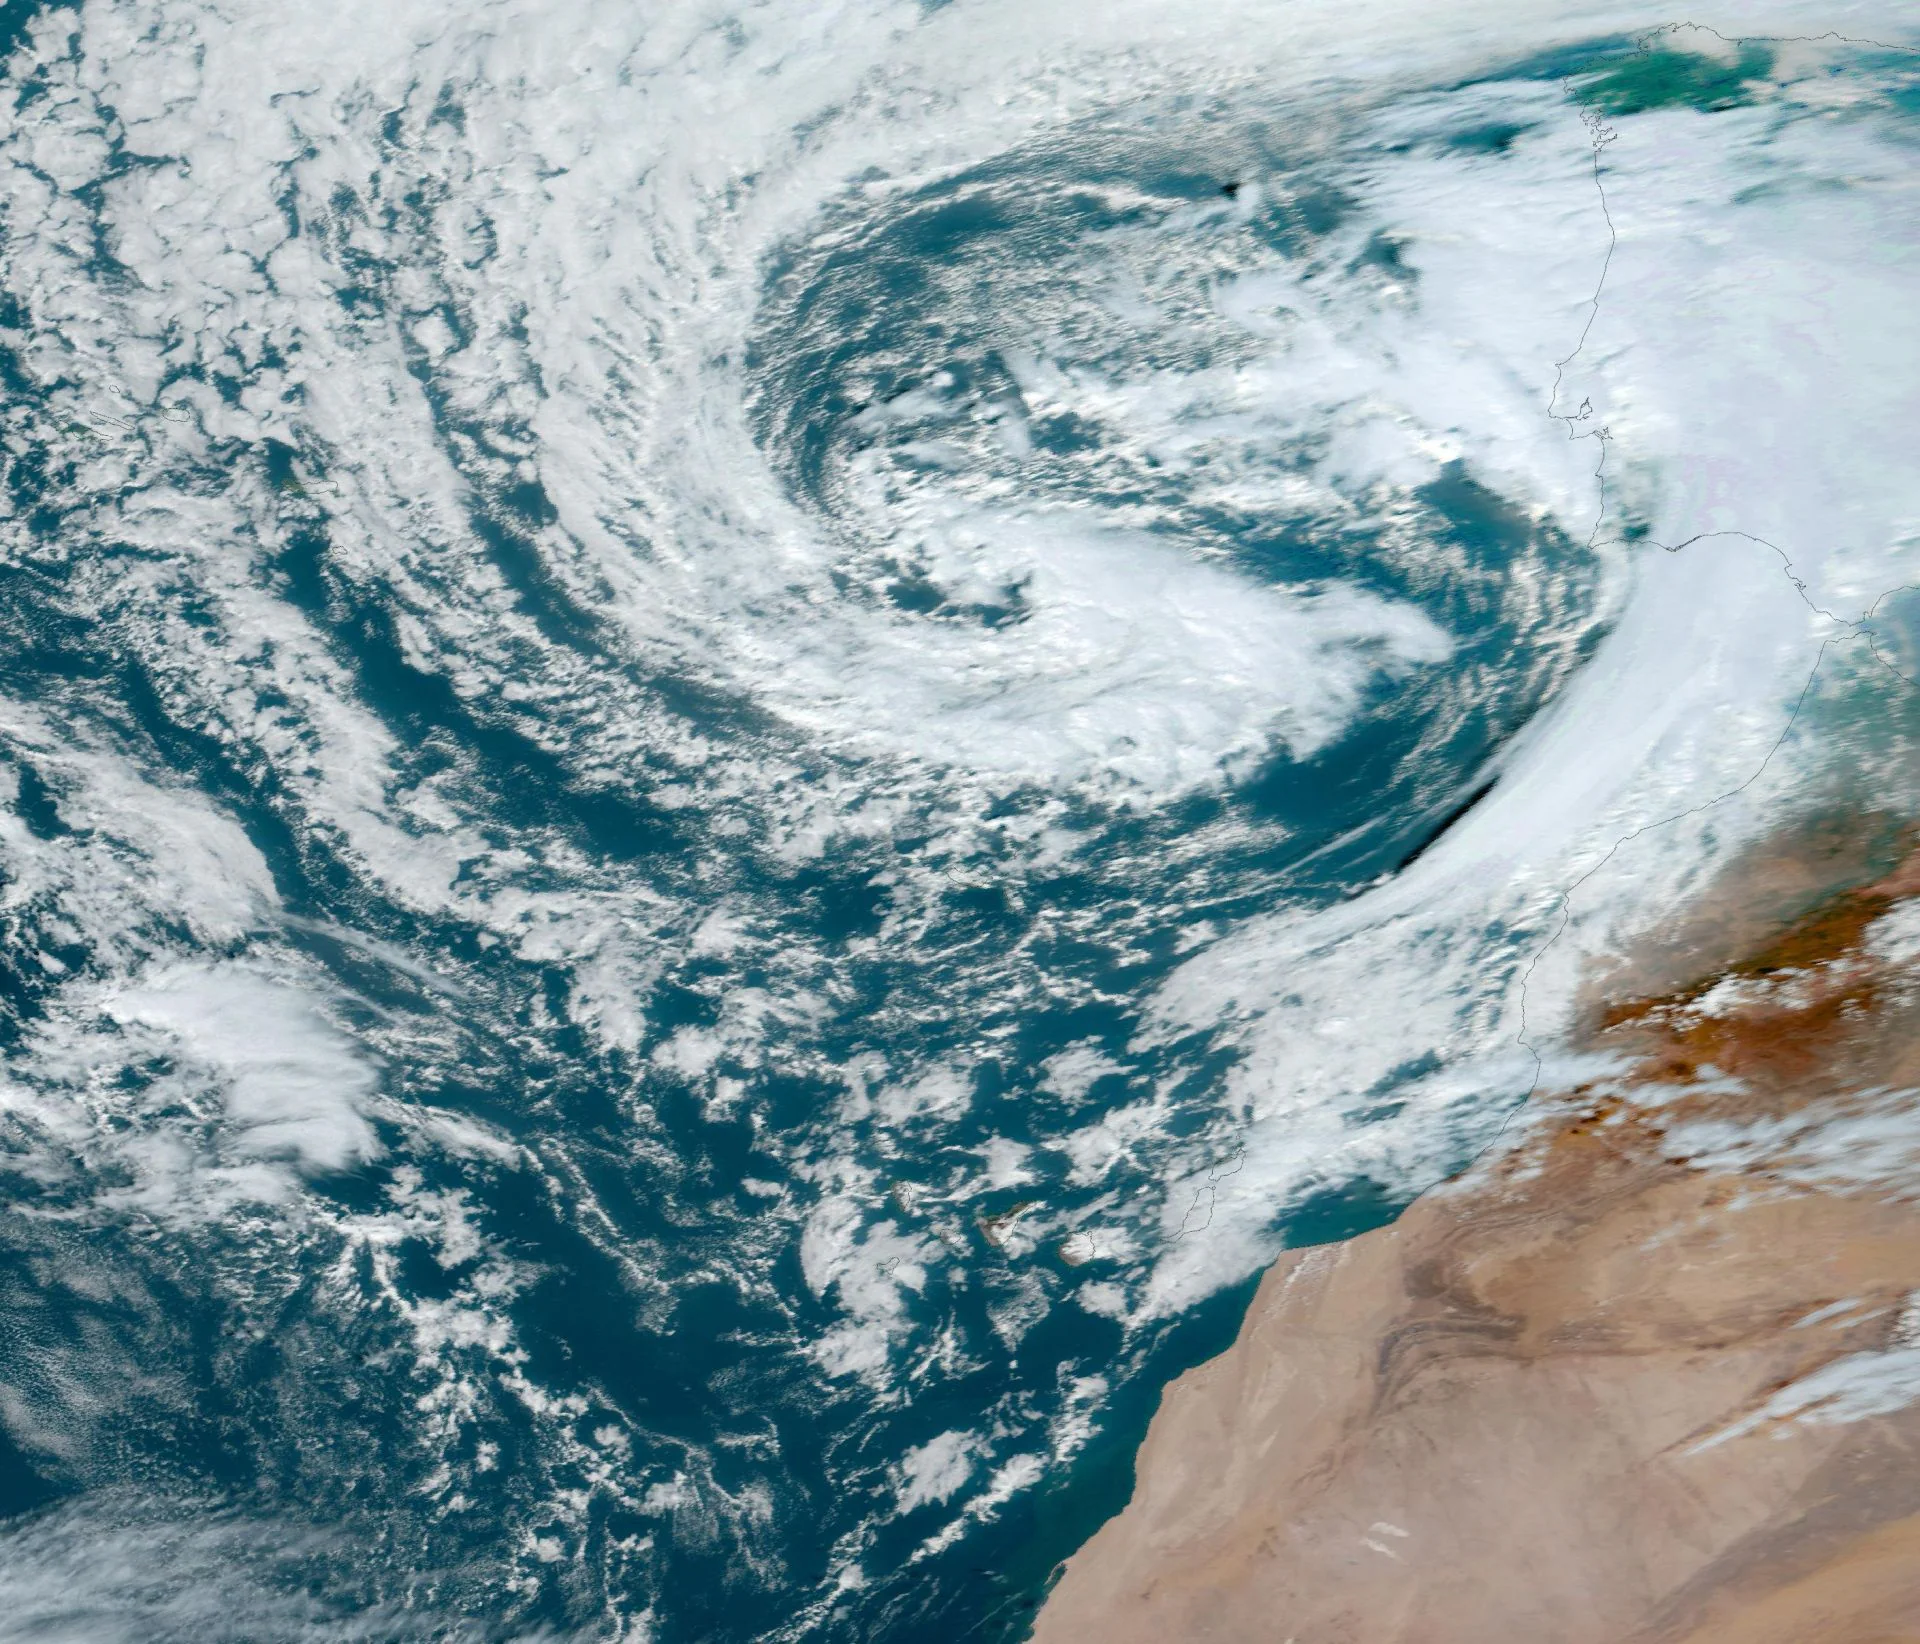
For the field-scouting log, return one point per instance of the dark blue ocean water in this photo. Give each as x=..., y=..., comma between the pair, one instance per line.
x=541, y=1355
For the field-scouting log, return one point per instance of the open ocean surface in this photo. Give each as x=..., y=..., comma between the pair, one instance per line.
x=738, y=747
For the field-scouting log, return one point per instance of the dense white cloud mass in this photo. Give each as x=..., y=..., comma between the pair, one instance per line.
x=735, y=736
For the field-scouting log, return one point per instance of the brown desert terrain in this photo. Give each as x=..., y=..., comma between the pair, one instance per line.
x=1648, y=1374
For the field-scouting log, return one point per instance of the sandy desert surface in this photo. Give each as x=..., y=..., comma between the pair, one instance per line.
x=1642, y=1374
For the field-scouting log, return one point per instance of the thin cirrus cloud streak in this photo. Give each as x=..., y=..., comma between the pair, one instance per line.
x=573, y=320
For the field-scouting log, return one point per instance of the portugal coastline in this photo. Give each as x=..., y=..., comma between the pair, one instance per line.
x=742, y=744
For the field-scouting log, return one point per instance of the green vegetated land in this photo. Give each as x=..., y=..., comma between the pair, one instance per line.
x=1660, y=77
x=1624, y=74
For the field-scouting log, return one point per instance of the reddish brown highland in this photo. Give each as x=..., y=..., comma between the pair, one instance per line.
x=1638, y=1377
